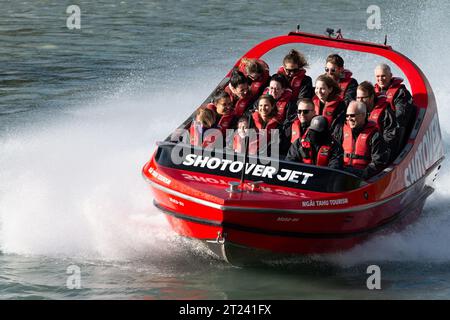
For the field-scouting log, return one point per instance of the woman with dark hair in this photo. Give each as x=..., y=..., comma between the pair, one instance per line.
x=223, y=110
x=278, y=89
x=239, y=92
x=293, y=69
x=327, y=101
x=257, y=73
x=265, y=118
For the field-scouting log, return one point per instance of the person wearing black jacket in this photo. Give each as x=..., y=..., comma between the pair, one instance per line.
x=362, y=157
x=296, y=124
x=398, y=96
x=317, y=147
x=334, y=68
x=380, y=112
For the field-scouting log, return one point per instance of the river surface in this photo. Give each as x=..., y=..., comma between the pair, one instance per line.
x=81, y=110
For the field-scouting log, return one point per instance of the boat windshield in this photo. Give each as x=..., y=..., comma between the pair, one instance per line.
x=362, y=66
x=226, y=163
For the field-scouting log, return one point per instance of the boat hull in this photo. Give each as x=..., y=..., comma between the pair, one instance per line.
x=229, y=231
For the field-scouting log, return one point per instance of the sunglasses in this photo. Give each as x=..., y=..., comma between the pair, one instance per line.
x=352, y=115
x=291, y=70
x=305, y=112
x=332, y=70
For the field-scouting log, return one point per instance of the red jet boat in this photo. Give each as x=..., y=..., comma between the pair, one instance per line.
x=291, y=208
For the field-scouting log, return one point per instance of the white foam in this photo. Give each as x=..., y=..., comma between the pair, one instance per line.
x=73, y=185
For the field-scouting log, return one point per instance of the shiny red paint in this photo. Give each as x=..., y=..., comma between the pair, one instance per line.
x=195, y=202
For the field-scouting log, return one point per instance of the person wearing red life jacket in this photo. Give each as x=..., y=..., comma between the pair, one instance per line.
x=380, y=112
x=317, y=147
x=327, y=101
x=257, y=72
x=296, y=126
x=334, y=68
x=239, y=137
x=365, y=152
x=202, y=131
x=293, y=69
x=399, y=98
x=278, y=88
x=238, y=89
x=223, y=108
x=265, y=121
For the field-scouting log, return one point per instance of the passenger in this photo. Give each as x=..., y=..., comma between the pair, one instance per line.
x=239, y=138
x=399, y=97
x=327, y=101
x=293, y=69
x=335, y=69
x=238, y=89
x=223, y=109
x=282, y=95
x=204, y=120
x=365, y=152
x=295, y=128
x=257, y=72
x=305, y=113
x=317, y=146
x=265, y=118
x=380, y=112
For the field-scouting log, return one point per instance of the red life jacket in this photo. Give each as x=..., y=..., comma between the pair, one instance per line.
x=240, y=105
x=344, y=82
x=329, y=109
x=391, y=92
x=199, y=139
x=264, y=128
x=223, y=121
x=379, y=108
x=239, y=143
x=260, y=125
x=357, y=154
x=296, y=130
x=295, y=81
x=281, y=103
x=256, y=86
x=322, y=157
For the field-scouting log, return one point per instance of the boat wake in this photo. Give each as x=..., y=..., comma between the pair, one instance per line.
x=72, y=186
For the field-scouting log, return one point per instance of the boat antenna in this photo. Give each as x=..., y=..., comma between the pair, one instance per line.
x=246, y=145
x=385, y=39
